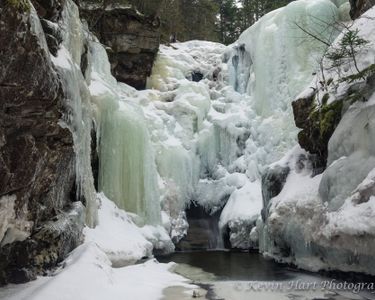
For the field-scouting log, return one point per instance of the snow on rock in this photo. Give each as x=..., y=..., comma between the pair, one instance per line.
x=293, y=214
x=13, y=227
x=99, y=268
x=123, y=237
x=355, y=218
x=87, y=275
x=241, y=213
x=117, y=236
x=326, y=221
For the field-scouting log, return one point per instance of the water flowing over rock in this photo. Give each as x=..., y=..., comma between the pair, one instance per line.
x=203, y=232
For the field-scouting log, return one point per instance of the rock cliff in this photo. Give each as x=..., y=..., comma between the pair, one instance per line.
x=42, y=208
x=132, y=40
x=39, y=220
x=358, y=7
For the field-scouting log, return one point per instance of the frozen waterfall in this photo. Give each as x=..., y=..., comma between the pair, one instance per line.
x=127, y=170
x=273, y=60
x=223, y=131
x=79, y=111
x=206, y=142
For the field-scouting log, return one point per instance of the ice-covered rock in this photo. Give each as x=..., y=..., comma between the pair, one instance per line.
x=212, y=141
x=323, y=221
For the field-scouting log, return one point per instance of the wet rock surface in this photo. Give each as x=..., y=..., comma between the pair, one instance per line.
x=203, y=232
x=273, y=181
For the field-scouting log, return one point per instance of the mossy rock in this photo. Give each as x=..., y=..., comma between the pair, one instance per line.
x=319, y=127
x=325, y=99
x=318, y=122
x=330, y=117
x=22, y=5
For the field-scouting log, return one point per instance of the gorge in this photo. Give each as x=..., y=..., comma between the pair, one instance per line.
x=115, y=149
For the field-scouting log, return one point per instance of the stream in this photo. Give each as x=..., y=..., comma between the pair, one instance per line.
x=238, y=275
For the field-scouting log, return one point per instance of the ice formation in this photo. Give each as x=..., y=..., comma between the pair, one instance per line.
x=208, y=141
x=211, y=121
x=79, y=116
x=183, y=141
x=324, y=222
x=214, y=138
x=127, y=171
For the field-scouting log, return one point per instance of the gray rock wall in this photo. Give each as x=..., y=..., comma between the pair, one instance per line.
x=132, y=40
x=39, y=222
x=358, y=7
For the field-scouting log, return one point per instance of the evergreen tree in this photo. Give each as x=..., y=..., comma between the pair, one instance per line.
x=228, y=21
x=214, y=20
x=253, y=10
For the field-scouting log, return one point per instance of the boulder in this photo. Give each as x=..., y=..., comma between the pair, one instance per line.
x=318, y=122
x=273, y=181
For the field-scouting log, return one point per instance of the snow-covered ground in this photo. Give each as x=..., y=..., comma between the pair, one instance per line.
x=99, y=268
x=87, y=274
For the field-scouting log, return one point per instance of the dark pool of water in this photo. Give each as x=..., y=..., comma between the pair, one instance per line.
x=233, y=265
x=246, y=267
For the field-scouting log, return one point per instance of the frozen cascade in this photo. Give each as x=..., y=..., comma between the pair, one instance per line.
x=127, y=172
x=180, y=142
x=274, y=80
x=212, y=138
x=79, y=116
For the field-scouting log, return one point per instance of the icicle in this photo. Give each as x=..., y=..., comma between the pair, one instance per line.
x=79, y=116
x=127, y=172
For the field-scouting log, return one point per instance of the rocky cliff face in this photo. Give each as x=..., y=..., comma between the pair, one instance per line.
x=318, y=122
x=358, y=7
x=41, y=213
x=132, y=40
x=39, y=223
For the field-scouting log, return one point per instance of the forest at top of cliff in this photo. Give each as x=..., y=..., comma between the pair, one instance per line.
x=212, y=20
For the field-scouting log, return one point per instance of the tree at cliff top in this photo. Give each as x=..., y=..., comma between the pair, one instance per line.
x=228, y=21
x=197, y=20
x=182, y=19
x=252, y=10
x=236, y=16
x=213, y=20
